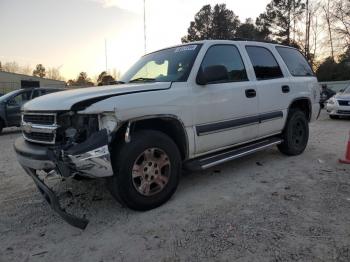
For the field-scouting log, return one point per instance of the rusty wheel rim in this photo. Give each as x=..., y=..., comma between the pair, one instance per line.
x=151, y=172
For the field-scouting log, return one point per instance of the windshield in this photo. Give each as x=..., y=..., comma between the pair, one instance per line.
x=8, y=95
x=167, y=65
x=347, y=90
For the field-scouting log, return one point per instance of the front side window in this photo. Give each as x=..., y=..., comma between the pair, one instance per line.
x=295, y=61
x=20, y=99
x=229, y=57
x=168, y=65
x=264, y=63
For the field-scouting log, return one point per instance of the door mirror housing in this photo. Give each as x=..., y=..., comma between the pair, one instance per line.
x=11, y=102
x=212, y=74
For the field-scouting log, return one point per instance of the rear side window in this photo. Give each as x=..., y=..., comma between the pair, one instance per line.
x=295, y=61
x=264, y=63
x=228, y=56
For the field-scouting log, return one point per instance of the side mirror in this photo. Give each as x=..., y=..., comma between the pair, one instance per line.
x=212, y=74
x=11, y=102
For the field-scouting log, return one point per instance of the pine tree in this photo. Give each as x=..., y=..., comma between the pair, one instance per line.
x=212, y=23
x=280, y=18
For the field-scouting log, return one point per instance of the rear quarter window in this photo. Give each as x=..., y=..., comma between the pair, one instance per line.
x=264, y=63
x=295, y=61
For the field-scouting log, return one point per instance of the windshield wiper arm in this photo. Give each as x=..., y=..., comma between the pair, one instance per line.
x=142, y=79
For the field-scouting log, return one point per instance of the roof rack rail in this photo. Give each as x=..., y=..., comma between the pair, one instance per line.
x=253, y=40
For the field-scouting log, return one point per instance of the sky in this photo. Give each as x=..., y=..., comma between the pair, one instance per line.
x=72, y=34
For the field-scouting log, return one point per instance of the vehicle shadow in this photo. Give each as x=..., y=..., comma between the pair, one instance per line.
x=10, y=131
x=91, y=199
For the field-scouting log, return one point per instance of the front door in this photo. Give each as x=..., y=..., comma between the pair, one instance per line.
x=13, y=107
x=225, y=112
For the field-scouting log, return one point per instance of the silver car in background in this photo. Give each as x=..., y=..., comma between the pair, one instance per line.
x=339, y=105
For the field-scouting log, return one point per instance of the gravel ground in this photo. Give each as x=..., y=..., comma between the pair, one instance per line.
x=264, y=207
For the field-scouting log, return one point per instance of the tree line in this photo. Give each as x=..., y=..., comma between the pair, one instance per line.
x=104, y=78
x=82, y=79
x=319, y=29
x=39, y=70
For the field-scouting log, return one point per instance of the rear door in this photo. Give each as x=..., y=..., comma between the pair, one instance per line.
x=273, y=89
x=225, y=112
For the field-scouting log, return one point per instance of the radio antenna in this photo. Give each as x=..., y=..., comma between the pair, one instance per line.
x=144, y=26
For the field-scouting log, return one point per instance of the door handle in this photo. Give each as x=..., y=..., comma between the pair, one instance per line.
x=285, y=89
x=250, y=93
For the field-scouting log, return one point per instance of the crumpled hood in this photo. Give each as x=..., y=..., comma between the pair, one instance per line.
x=64, y=100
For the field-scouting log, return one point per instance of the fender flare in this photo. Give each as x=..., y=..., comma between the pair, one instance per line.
x=128, y=130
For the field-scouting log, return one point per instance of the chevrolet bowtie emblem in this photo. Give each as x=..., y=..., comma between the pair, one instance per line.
x=27, y=128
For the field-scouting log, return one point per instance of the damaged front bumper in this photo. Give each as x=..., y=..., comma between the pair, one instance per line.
x=53, y=201
x=90, y=158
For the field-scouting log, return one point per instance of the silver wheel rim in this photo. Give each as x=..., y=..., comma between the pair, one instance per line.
x=151, y=171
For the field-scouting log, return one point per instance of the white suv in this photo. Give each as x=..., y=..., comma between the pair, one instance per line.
x=192, y=106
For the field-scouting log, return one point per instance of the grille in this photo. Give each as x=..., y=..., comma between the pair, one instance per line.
x=343, y=112
x=344, y=103
x=35, y=136
x=39, y=119
x=39, y=127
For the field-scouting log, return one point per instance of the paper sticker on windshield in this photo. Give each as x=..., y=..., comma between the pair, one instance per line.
x=185, y=48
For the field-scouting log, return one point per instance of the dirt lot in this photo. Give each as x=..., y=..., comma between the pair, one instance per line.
x=265, y=207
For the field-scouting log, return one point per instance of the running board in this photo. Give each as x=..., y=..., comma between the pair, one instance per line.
x=217, y=158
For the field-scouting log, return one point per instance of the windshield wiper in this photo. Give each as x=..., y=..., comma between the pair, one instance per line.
x=142, y=79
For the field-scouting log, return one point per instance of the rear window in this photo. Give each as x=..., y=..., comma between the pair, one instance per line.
x=264, y=63
x=295, y=61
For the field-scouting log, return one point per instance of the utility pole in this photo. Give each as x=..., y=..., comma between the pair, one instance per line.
x=106, y=54
x=307, y=31
x=144, y=25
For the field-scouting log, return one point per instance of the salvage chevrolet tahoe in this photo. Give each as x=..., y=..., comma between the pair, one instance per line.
x=192, y=106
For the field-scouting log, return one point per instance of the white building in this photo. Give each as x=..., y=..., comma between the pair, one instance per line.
x=13, y=81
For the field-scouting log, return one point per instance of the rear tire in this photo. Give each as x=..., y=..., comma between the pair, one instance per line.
x=333, y=117
x=296, y=133
x=146, y=170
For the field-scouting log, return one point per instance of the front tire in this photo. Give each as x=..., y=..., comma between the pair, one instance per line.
x=295, y=134
x=146, y=170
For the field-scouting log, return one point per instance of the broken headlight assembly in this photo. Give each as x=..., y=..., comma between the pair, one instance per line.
x=77, y=128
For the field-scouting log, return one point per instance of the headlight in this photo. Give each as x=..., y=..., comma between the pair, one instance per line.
x=331, y=101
